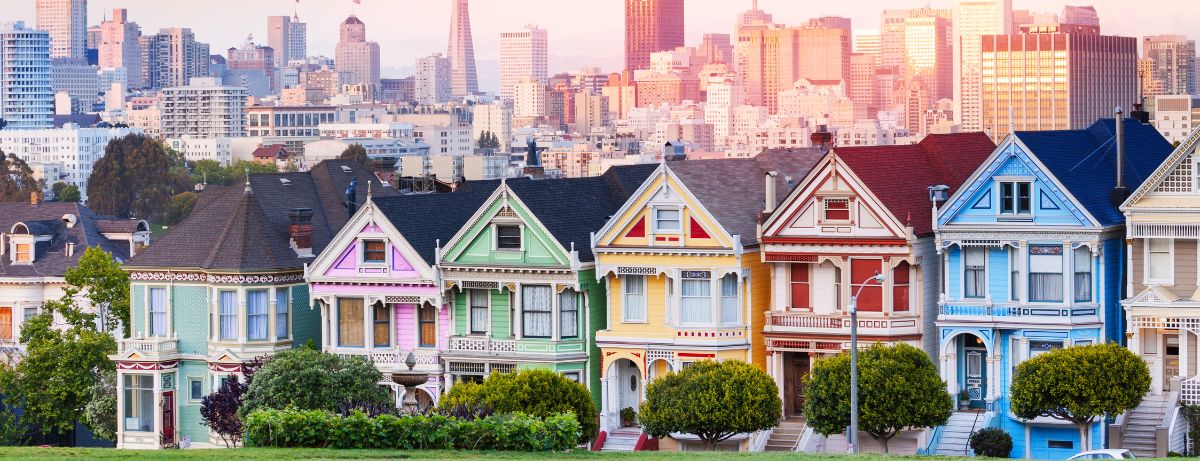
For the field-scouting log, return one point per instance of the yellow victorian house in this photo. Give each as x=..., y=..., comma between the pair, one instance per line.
x=684, y=277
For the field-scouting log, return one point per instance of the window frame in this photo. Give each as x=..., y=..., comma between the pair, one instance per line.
x=421, y=322
x=23, y=257
x=562, y=322
x=1062, y=274
x=385, y=322
x=1014, y=200
x=150, y=313
x=264, y=316
x=497, y=239
x=341, y=309
x=222, y=316
x=366, y=250
x=625, y=299
x=192, y=380
x=134, y=397
x=981, y=292
x=655, y=220
x=472, y=310
x=736, y=297
x=1015, y=278
x=805, y=285
x=1147, y=253
x=1075, y=273
x=707, y=297
x=283, y=313
x=527, y=313
x=825, y=201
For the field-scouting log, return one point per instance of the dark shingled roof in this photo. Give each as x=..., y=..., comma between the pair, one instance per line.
x=232, y=230
x=733, y=189
x=51, y=258
x=426, y=219
x=900, y=175
x=1085, y=161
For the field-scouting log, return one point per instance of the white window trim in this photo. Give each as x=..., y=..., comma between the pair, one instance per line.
x=987, y=294
x=1016, y=214
x=496, y=237
x=654, y=220
x=487, y=329
x=362, y=252
x=273, y=328
x=714, y=306
x=1068, y=280
x=188, y=399
x=625, y=318
x=558, y=310
x=170, y=333
x=738, y=294
x=1170, y=268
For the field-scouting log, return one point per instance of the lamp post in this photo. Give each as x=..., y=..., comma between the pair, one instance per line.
x=852, y=431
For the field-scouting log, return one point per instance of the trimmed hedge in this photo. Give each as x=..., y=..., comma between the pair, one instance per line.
x=321, y=429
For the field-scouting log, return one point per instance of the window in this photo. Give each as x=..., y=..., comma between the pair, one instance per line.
x=508, y=237
x=1014, y=270
x=479, y=311
x=974, y=278
x=29, y=314
x=256, y=315
x=374, y=251
x=696, y=304
x=1067, y=444
x=1015, y=197
x=281, y=313
x=1037, y=348
x=1083, y=274
x=900, y=277
x=427, y=324
x=536, y=313
x=23, y=253
x=228, y=315
x=158, y=312
x=195, y=389
x=382, y=331
x=729, y=298
x=573, y=376
x=350, y=322
x=1158, y=260
x=6, y=323
x=634, y=291
x=801, y=286
x=139, y=403
x=837, y=209
x=667, y=221
x=1045, y=273
x=568, y=314
x=870, y=299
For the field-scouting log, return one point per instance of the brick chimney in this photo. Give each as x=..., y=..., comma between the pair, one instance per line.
x=821, y=138
x=301, y=231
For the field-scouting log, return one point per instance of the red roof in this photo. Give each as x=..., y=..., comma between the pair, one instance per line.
x=901, y=175
x=270, y=151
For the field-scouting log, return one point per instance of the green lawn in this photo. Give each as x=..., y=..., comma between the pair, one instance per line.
x=31, y=453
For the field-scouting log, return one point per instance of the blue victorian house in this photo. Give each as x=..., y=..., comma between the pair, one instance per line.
x=1032, y=251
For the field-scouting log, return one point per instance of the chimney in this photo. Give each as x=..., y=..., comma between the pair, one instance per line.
x=769, y=190
x=34, y=198
x=301, y=231
x=1119, y=193
x=821, y=138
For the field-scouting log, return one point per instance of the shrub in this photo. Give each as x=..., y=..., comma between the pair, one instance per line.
x=992, y=442
x=323, y=429
x=538, y=392
x=219, y=411
x=713, y=400
x=307, y=379
x=629, y=414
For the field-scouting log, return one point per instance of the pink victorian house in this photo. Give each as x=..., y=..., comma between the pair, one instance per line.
x=380, y=299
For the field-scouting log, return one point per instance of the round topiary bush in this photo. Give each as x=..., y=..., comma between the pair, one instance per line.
x=992, y=442
x=537, y=392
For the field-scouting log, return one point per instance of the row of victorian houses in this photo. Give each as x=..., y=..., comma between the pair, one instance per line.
x=990, y=255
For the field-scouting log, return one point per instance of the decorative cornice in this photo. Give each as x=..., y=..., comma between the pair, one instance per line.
x=220, y=279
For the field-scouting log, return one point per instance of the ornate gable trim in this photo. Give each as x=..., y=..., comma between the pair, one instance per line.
x=662, y=178
x=512, y=208
x=801, y=198
x=368, y=214
x=1177, y=157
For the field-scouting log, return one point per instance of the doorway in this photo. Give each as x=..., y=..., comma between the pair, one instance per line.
x=168, y=418
x=974, y=371
x=795, y=370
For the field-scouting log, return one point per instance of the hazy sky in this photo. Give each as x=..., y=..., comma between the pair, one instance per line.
x=581, y=31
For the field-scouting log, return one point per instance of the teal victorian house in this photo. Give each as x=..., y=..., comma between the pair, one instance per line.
x=220, y=289
x=1032, y=248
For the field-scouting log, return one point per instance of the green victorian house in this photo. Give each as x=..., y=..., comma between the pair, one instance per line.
x=521, y=277
x=222, y=288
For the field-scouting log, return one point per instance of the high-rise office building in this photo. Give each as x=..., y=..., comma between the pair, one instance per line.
x=776, y=57
x=66, y=21
x=861, y=86
x=26, y=94
x=1172, y=62
x=523, y=54
x=715, y=48
x=355, y=57
x=79, y=81
x=203, y=109
x=297, y=40
x=434, y=80
x=651, y=26
x=1091, y=74
x=866, y=41
x=251, y=58
x=279, y=29
x=972, y=20
x=172, y=57
x=925, y=23
x=120, y=46
x=461, y=51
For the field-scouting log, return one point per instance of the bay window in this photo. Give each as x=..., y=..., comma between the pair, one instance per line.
x=256, y=315
x=478, y=300
x=1083, y=274
x=1158, y=261
x=381, y=331
x=1046, y=273
x=900, y=278
x=158, y=312
x=139, y=402
x=350, y=322
x=427, y=324
x=696, y=303
x=729, y=298
x=633, y=303
x=801, y=286
x=870, y=298
x=227, y=301
x=568, y=314
x=974, y=272
x=536, y=311
x=281, y=313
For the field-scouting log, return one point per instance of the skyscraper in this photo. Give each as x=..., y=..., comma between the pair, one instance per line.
x=355, y=57
x=279, y=29
x=433, y=79
x=1172, y=63
x=930, y=54
x=66, y=20
x=522, y=54
x=120, y=47
x=297, y=40
x=461, y=51
x=173, y=57
x=776, y=57
x=650, y=26
x=972, y=20
x=26, y=95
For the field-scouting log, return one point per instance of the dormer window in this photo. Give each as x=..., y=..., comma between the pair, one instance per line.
x=374, y=251
x=1015, y=197
x=667, y=220
x=508, y=237
x=23, y=253
x=836, y=209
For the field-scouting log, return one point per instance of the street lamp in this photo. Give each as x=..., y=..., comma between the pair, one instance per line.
x=852, y=431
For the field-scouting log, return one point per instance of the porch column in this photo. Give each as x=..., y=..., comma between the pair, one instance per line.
x=993, y=381
x=950, y=372
x=1184, y=357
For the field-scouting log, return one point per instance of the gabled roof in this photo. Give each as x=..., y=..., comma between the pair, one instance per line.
x=50, y=258
x=900, y=175
x=1084, y=161
x=1179, y=155
x=270, y=151
x=234, y=230
x=427, y=219
x=733, y=189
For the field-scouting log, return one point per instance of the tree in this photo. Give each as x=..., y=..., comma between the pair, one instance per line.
x=99, y=278
x=537, y=392
x=100, y=414
x=488, y=140
x=899, y=388
x=1080, y=384
x=307, y=379
x=209, y=172
x=219, y=411
x=131, y=179
x=180, y=208
x=16, y=179
x=64, y=192
x=358, y=154
x=713, y=400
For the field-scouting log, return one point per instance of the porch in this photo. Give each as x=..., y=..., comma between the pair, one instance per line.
x=869, y=324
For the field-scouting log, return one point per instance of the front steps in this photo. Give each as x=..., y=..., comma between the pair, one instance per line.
x=1141, y=426
x=956, y=434
x=623, y=439
x=786, y=435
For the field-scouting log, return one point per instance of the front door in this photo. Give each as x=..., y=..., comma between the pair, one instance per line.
x=795, y=371
x=976, y=375
x=1170, y=358
x=168, y=418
